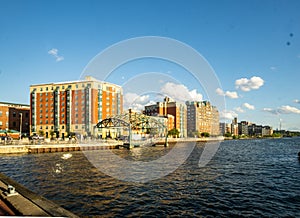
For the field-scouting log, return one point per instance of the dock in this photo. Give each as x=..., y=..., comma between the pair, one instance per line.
x=16, y=200
x=94, y=145
x=49, y=148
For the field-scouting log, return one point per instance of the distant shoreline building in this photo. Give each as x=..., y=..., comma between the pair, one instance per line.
x=245, y=128
x=63, y=108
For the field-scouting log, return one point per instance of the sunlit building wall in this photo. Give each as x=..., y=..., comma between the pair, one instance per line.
x=73, y=107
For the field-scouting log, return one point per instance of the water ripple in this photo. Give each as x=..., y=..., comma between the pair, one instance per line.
x=248, y=178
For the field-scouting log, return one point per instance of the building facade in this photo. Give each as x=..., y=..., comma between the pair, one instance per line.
x=14, y=117
x=170, y=107
x=58, y=109
x=202, y=117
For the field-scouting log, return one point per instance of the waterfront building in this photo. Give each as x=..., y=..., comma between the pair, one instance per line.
x=234, y=127
x=59, y=109
x=243, y=128
x=267, y=131
x=14, y=116
x=222, y=128
x=259, y=130
x=170, y=107
x=202, y=117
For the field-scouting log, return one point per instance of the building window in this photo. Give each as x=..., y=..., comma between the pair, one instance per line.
x=0, y=123
x=76, y=127
x=14, y=114
x=0, y=113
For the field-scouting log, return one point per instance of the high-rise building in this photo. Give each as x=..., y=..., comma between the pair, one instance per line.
x=243, y=128
x=14, y=117
x=58, y=109
x=202, y=117
x=234, y=127
x=170, y=107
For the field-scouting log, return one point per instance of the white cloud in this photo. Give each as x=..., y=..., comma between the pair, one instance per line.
x=273, y=68
x=227, y=93
x=247, y=85
x=180, y=93
x=135, y=101
x=220, y=91
x=248, y=106
x=54, y=52
x=297, y=101
x=239, y=110
x=286, y=109
x=228, y=115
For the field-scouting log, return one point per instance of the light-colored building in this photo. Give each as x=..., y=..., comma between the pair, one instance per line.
x=234, y=127
x=267, y=131
x=170, y=107
x=73, y=107
x=202, y=117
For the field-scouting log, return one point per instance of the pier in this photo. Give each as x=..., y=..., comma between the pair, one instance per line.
x=16, y=200
x=49, y=148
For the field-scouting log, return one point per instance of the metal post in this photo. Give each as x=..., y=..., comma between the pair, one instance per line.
x=130, y=136
x=21, y=115
x=166, y=139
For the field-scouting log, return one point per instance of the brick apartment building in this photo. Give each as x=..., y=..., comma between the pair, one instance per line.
x=202, y=117
x=174, y=111
x=59, y=109
x=14, y=117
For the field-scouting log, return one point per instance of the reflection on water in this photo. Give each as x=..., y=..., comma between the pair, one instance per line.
x=245, y=178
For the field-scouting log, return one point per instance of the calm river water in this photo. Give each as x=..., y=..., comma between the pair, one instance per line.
x=251, y=178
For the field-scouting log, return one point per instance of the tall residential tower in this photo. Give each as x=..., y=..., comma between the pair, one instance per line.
x=73, y=107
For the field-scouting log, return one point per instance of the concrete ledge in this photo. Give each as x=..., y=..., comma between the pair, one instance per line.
x=27, y=203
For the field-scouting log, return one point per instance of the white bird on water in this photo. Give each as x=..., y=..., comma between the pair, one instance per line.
x=66, y=156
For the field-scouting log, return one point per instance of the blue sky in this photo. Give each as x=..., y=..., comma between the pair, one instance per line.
x=52, y=41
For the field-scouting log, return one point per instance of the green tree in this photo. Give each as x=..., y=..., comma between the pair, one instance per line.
x=51, y=134
x=204, y=134
x=173, y=132
x=227, y=134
